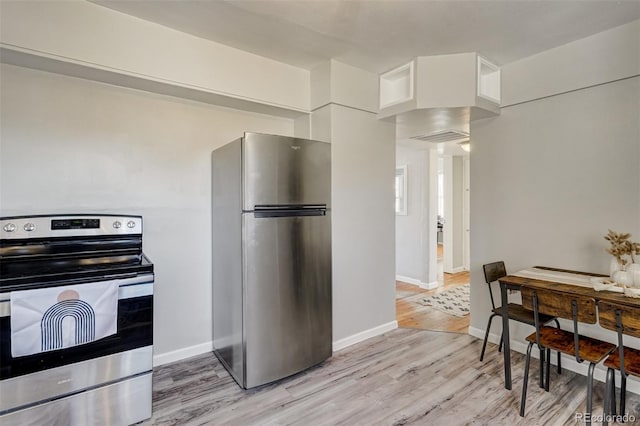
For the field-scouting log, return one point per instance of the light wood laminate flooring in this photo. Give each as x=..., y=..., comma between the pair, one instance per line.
x=402, y=377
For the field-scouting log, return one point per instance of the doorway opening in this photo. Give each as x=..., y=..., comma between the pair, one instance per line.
x=432, y=239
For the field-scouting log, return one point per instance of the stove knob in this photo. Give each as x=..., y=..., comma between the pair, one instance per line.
x=131, y=224
x=29, y=227
x=9, y=227
x=117, y=224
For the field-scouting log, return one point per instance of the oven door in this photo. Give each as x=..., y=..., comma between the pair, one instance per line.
x=34, y=378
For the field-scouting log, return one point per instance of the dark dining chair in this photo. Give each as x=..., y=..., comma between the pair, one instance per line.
x=568, y=306
x=623, y=320
x=492, y=273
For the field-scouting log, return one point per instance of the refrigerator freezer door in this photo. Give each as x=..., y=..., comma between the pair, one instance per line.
x=287, y=264
x=280, y=170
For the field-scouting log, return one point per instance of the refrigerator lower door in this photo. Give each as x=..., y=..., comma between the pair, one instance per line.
x=287, y=295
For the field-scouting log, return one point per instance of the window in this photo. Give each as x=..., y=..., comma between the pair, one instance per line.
x=401, y=190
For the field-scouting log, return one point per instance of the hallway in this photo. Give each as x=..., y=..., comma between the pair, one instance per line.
x=411, y=314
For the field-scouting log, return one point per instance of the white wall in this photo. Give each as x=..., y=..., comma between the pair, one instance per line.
x=411, y=252
x=606, y=56
x=457, y=213
x=85, y=33
x=320, y=78
x=446, y=80
x=551, y=175
x=354, y=87
x=342, y=84
x=69, y=145
x=454, y=211
x=415, y=244
x=363, y=170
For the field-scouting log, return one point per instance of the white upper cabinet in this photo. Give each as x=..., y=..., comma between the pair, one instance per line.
x=396, y=86
x=462, y=80
x=488, y=80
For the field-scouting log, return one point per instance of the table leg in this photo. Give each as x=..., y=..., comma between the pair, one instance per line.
x=505, y=336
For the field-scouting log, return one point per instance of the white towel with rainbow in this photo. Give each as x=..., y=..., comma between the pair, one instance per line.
x=61, y=317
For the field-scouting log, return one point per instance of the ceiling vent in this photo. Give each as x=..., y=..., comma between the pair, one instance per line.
x=443, y=136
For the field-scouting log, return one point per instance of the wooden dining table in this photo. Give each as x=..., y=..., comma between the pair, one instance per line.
x=516, y=281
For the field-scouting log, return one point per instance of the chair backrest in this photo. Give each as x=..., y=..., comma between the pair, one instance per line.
x=629, y=318
x=493, y=272
x=559, y=304
x=562, y=305
x=621, y=319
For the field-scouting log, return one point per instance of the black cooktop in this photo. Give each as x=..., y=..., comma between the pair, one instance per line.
x=22, y=276
x=37, y=263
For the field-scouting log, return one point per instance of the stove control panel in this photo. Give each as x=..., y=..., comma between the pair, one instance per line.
x=75, y=224
x=64, y=225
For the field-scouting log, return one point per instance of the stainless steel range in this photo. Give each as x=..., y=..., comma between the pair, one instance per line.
x=74, y=378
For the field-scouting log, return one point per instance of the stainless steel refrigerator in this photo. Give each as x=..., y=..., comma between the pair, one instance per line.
x=271, y=224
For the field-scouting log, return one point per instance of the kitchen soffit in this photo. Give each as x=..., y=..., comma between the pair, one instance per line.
x=378, y=35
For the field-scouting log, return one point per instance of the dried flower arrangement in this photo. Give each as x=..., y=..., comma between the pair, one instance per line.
x=627, y=277
x=621, y=246
x=633, y=249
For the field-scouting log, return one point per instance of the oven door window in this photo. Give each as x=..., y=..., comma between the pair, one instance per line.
x=135, y=330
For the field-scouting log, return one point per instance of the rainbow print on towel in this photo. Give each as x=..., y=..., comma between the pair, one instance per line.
x=61, y=317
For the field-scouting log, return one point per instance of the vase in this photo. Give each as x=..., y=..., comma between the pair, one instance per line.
x=624, y=278
x=634, y=271
x=614, y=266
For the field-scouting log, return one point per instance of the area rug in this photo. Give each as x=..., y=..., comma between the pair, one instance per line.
x=453, y=302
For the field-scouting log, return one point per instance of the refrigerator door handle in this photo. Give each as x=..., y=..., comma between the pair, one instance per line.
x=265, y=211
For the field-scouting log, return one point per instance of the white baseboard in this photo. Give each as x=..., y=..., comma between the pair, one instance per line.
x=455, y=270
x=408, y=280
x=206, y=347
x=183, y=353
x=430, y=286
x=415, y=281
x=364, y=335
x=569, y=363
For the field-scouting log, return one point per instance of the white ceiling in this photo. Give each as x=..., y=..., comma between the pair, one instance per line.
x=379, y=35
